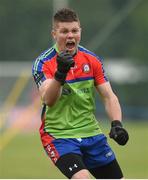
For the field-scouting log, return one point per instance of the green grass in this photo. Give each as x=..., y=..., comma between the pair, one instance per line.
x=24, y=156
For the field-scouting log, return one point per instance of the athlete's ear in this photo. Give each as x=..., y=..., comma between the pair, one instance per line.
x=53, y=34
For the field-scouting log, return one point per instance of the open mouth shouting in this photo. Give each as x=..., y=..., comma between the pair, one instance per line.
x=70, y=45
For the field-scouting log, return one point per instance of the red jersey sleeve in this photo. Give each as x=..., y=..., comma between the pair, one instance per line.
x=43, y=70
x=99, y=72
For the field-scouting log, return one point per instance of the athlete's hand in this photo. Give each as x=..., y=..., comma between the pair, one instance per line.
x=64, y=63
x=118, y=133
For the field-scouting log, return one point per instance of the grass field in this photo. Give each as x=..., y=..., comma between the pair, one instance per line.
x=24, y=157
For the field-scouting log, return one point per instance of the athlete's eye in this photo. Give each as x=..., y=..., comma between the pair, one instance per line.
x=64, y=31
x=75, y=31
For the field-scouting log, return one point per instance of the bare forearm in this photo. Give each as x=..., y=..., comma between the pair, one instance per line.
x=110, y=101
x=51, y=91
x=113, y=108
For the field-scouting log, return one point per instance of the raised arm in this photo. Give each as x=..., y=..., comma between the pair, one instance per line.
x=50, y=91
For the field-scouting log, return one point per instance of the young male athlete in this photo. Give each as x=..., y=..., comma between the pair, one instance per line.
x=67, y=75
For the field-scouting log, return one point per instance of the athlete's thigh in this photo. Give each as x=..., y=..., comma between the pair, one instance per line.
x=111, y=170
x=55, y=148
x=97, y=151
x=65, y=154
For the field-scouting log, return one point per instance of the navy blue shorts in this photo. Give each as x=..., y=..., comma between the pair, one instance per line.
x=94, y=150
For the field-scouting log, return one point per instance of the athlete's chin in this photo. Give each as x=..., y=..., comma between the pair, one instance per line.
x=71, y=50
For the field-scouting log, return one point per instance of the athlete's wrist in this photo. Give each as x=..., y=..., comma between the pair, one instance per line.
x=116, y=123
x=60, y=77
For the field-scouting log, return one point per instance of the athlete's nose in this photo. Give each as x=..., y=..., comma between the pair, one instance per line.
x=70, y=35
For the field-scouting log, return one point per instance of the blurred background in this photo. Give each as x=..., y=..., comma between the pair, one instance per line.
x=116, y=30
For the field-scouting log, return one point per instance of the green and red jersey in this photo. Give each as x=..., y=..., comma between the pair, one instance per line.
x=73, y=114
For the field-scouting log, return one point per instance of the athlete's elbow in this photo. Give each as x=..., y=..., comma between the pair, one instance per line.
x=49, y=103
x=50, y=100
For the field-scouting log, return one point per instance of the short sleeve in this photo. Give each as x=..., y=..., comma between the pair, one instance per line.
x=99, y=72
x=40, y=72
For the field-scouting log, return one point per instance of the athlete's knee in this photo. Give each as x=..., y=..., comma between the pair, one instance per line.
x=82, y=174
x=72, y=166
